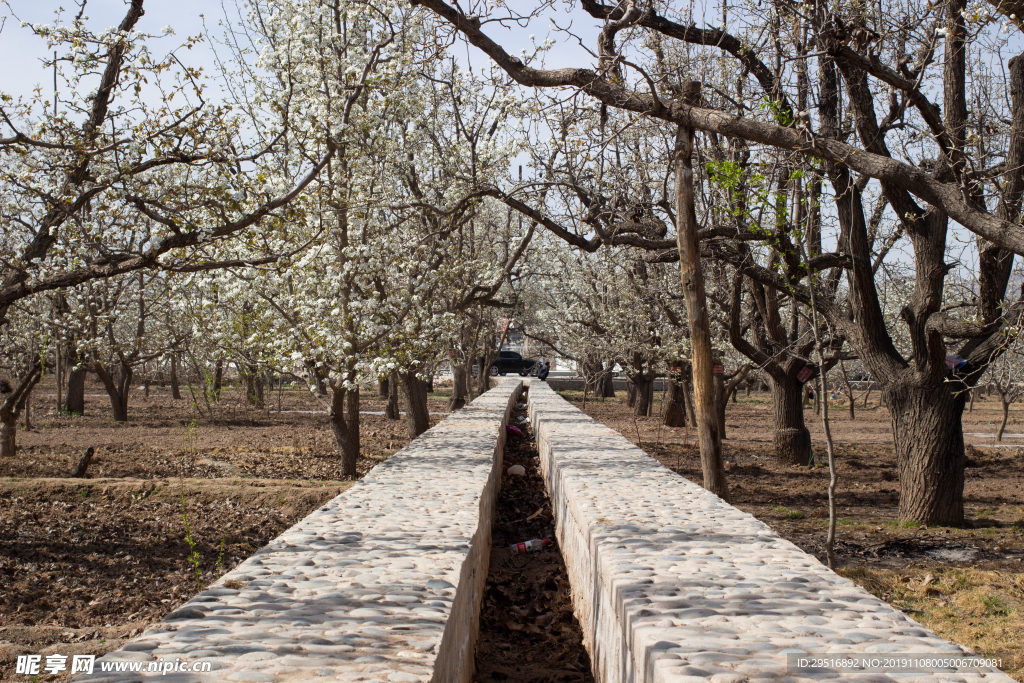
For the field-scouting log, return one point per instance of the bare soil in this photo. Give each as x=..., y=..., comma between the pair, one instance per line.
x=975, y=595
x=528, y=632
x=172, y=500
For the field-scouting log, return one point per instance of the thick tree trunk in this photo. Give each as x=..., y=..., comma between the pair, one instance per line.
x=643, y=394
x=175, y=386
x=218, y=378
x=8, y=434
x=417, y=417
x=344, y=418
x=117, y=385
x=383, y=386
x=606, y=386
x=74, y=394
x=675, y=405
x=11, y=407
x=927, y=429
x=253, y=387
x=391, y=408
x=460, y=388
x=792, y=439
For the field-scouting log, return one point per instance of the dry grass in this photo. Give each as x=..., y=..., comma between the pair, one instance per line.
x=983, y=610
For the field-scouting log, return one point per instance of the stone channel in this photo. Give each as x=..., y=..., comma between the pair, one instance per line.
x=381, y=584
x=673, y=585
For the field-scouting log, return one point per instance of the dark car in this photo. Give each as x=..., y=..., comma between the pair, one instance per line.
x=510, y=361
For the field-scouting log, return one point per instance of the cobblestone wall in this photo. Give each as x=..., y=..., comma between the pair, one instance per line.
x=383, y=583
x=672, y=585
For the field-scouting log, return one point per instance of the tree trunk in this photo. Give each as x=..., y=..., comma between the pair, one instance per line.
x=675, y=405
x=28, y=410
x=643, y=392
x=927, y=429
x=383, y=386
x=391, y=408
x=692, y=276
x=344, y=417
x=631, y=394
x=175, y=387
x=417, y=417
x=460, y=388
x=849, y=391
x=691, y=413
x=74, y=395
x=11, y=408
x=254, y=387
x=606, y=386
x=117, y=385
x=483, y=379
x=792, y=439
x=59, y=361
x=721, y=400
x=218, y=378
x=1006, y=413
x=8, y=433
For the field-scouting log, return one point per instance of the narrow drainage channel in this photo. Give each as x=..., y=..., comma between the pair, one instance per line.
x=528, y=632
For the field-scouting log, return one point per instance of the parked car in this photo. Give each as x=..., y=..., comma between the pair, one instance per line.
x=510, y=361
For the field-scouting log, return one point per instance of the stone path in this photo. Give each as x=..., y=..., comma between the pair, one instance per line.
x=672, y=585
x=381, y=584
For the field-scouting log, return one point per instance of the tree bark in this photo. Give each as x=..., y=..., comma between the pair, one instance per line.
x=460, y=387
x=792, y=440
x=175, y=387
x=11, y=408
x=483, y=379
x=1004, y=400
x=117, y=384
x=253, y=386
x=643, y=392
x=675, y=405
x=391, y=408
x=721, y=400
x=606, y=386
x=417, y=416
x=74, y=394
x=218, y=378
x=691, y=411
x=692, y=276
x=383, y=386
x=8, y=436
x=927, y=429
x=344, y=417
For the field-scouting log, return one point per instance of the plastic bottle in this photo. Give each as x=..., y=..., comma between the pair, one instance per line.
x=529, y=546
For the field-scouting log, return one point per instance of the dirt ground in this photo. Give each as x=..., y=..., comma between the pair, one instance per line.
x=172, y=500
x=966, y=584
x=528, y=632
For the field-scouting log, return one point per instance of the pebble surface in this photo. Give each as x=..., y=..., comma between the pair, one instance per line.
x=363, y=588
x=673, y=585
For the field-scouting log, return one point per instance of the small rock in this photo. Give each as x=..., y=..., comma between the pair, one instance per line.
x=517, y=470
